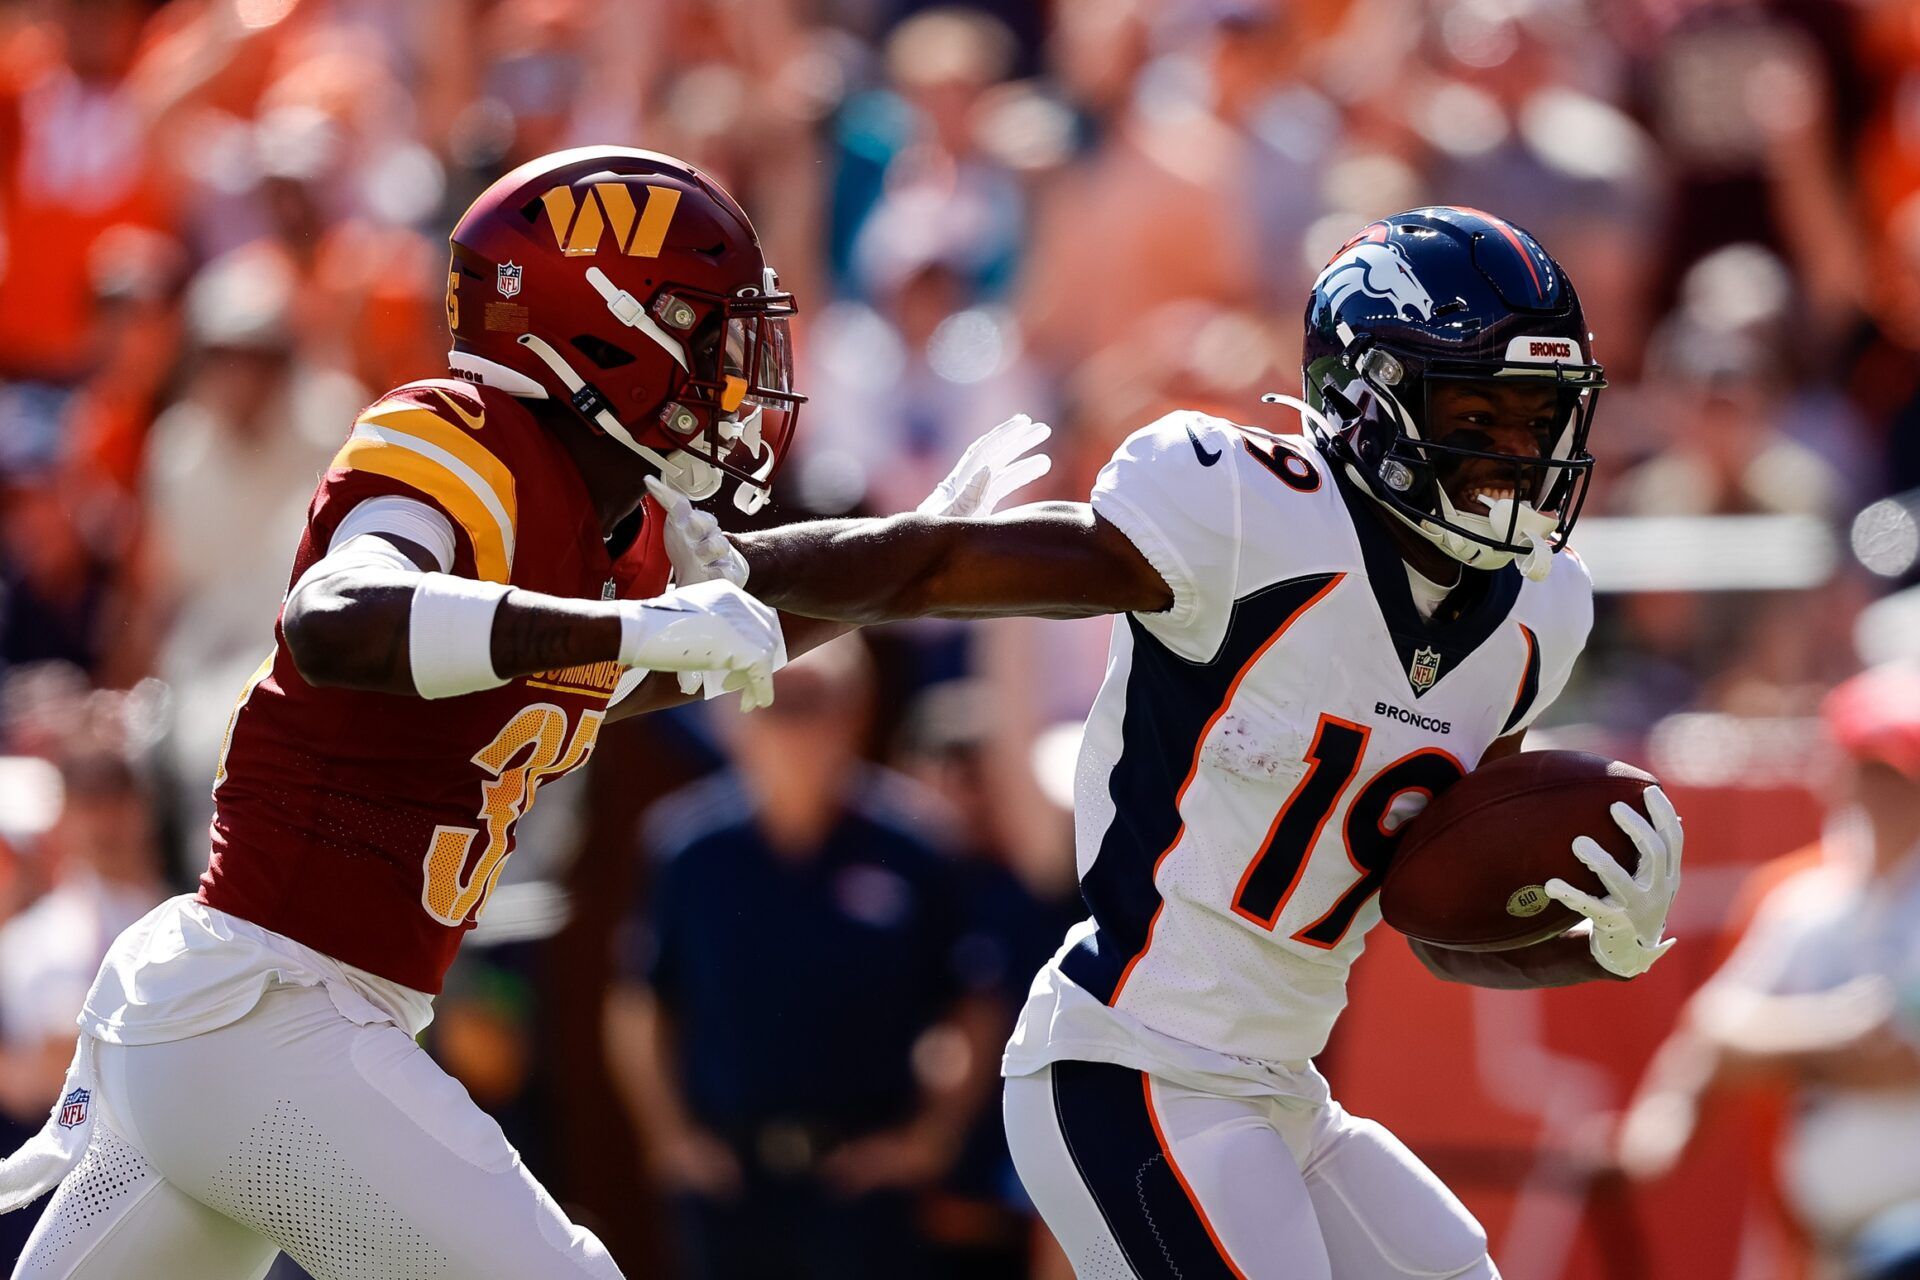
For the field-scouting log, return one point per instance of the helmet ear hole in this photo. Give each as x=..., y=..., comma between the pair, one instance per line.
x=601, y=352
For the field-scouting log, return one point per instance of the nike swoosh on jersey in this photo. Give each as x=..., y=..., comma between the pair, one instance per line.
x=473, y=421
x=1207, y=456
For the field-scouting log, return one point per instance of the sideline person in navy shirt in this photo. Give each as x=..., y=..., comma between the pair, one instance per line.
x=796, y=1032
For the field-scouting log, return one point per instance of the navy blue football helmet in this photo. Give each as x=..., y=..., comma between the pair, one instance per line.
x=1449, y=293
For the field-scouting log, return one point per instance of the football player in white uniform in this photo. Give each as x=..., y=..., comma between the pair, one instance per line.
x=1321, y=633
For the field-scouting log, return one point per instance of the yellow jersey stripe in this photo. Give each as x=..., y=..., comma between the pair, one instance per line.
x=414, y=464
x=428, y=426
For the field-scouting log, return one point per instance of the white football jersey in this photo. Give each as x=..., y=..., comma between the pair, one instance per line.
x=1255, y=747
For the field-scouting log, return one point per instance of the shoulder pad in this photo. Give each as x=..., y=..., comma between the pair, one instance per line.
x=443, y=440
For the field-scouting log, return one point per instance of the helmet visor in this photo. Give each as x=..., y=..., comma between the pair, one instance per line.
x=743, y=380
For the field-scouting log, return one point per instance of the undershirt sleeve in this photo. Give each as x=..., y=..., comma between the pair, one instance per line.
x=399, y=517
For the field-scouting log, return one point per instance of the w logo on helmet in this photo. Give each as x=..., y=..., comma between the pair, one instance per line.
x=1378, y=271
x=579, y=224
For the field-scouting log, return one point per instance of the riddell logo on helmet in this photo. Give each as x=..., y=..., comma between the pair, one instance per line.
x=579, y=224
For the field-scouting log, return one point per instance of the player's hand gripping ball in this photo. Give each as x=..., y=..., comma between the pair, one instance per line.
x=1522, y=849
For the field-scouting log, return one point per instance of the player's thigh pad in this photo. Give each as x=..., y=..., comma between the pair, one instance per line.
x=347, y=1146
x=1139, y=1177
x=1382, y=1213
x=114, y=1216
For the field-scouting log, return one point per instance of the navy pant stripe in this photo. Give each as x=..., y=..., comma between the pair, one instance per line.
x=1102, y=1111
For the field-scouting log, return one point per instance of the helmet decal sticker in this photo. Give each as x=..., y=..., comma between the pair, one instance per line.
x=506, y=278
x=1378, y=271
x=577, y=228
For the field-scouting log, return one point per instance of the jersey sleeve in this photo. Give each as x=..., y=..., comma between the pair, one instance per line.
x=1172, y=488
x=402, y=447
x=1561, y=635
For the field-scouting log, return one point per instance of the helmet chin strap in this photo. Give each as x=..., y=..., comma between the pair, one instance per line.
x=698, y=479
x=1531, y=530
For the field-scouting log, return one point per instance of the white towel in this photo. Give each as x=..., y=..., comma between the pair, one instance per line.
x=38, y=1167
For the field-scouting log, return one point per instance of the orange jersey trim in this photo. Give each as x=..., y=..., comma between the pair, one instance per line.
x=1193, y=769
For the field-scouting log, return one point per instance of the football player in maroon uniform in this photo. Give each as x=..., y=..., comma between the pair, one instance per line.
x=247, y=1079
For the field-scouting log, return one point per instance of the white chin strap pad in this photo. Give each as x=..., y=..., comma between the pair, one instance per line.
x=1532, y=530
x=691, y=475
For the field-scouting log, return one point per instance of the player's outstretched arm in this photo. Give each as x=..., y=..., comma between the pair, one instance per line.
x=373, y=615
x=1047, y=560
x=952, y=557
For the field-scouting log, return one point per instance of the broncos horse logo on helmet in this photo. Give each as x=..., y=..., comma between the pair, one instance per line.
x=1449, y=293
x=1378, y=271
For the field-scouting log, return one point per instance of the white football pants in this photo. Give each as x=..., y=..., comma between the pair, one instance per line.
x=1141, y=1178
x=294, y=1129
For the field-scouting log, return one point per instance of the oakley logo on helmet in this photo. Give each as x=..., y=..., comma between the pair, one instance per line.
x=578, y=225
x=1378, y=271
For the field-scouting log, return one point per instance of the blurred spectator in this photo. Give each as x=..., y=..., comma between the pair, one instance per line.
x=1746, y=105
x=1158, y=213
x=900, y=389
x=102, y=859
x=979, y=1217
x=1822, y=998
x=796, y=1034
x=57, y=572
x=916, y=148
x=75, y=159
x=231, y=466
x=1724, y=361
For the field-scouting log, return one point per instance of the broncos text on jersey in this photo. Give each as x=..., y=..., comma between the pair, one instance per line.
x=1255, y=747
x=372, y=827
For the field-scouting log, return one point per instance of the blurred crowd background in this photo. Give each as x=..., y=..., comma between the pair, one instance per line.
x=740, y=1000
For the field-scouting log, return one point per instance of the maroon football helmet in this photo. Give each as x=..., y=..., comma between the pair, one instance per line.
x=632, y=287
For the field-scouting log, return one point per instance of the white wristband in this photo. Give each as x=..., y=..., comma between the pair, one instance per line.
x=450, y=635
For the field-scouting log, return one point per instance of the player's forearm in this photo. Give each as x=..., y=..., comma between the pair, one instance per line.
x=852, y=571
x=951, y=1101
x=350, y=631
x=640, y=1039
x=1558, y=962
x=1047, y=560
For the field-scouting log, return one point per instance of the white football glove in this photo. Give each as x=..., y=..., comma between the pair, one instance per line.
x=1628, y=922
x=991, y=470
x=699, y=551
x=712, y=628
x=696, y=546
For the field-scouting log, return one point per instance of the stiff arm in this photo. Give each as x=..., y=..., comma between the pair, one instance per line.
x=1044, y=560
x=1050, y=560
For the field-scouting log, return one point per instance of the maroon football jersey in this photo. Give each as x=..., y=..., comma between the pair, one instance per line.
x=372, y=826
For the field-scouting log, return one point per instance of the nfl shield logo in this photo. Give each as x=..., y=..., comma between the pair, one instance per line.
x=1424, y=671
x=506, y=277
x=73, y=1109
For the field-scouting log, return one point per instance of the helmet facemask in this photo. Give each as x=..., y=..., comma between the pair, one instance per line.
x=1385, y=444
x=737, y=412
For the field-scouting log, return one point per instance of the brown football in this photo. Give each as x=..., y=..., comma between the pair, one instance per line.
x=1470, y=868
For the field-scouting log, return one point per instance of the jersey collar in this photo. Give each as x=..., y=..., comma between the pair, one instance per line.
x=1429, y=650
